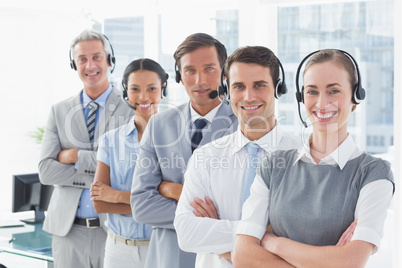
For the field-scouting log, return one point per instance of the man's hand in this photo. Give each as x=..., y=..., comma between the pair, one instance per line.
x=170, y=189
x=68, y=156
x=347, y=235
x=204, y=208
x=102, y=192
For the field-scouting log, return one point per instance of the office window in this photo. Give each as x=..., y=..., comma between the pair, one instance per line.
x=342, y=25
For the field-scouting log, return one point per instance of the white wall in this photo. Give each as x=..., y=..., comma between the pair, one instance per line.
x=34, y=76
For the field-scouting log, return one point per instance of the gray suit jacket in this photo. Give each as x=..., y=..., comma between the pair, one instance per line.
x=66, y=128
x=164, y=153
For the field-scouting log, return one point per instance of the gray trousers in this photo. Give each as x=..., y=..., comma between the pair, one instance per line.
x=81, y=247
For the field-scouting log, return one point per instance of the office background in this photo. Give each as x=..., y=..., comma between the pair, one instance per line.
x=35, y=39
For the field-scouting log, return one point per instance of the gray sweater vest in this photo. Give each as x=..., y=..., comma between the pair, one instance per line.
x=314, y=204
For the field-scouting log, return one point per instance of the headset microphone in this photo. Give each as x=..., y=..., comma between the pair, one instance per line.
x=124, y=96
x=301, y=118
x=213, y=94
x=129, y=104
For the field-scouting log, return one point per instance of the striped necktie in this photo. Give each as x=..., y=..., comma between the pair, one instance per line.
x=93, y=106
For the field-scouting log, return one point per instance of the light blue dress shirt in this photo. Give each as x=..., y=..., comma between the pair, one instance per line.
x=119, y=149
x=85, y=208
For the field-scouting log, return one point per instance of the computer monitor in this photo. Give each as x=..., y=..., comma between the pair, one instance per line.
x=30, y=194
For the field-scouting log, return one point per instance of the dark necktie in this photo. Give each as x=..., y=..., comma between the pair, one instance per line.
x=200, y=123
x=249, y=176
x=93, y=106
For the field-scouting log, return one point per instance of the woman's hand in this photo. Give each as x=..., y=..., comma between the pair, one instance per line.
x=347, y=235
x=103, y=192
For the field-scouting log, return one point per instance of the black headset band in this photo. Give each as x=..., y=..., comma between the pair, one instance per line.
x=314, y=52
x=224, y=90
x=111, y=58
x=358, y=93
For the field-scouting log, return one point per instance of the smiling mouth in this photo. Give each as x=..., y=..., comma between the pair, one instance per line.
x=92, y=74
x=326, y=115
x=251, y=107
x=201, y=90
x=144, y=105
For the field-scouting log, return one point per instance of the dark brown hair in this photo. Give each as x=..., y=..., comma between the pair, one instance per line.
x=196, y=41
x=255, y=54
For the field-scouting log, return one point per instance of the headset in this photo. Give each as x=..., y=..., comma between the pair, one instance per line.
x=358, y=92
x=110, y=58
x=178, y=75
x=280, y=88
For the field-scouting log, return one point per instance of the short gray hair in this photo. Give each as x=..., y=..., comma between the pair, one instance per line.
x=88, y=35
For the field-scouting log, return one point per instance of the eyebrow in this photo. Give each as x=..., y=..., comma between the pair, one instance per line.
x=236, y=83
x=260, y=82
x=205, y=65
x=255, y=82
x=328, y=86
x=135, y=85
x=97, y=53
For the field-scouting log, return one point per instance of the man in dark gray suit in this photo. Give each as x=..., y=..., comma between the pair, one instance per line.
x=168, y=141
x=68, y=155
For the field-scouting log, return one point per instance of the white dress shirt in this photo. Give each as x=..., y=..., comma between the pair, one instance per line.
x=370, y=212
x=209, y=117
x=216, y=170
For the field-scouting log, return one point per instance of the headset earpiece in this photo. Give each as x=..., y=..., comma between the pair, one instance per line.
x=223, y=91
x=299, y=95
x=125, y=94
x=359, y=94
x=72, y=65
x=164, y=93
x=112, y=61
x=178, y=76
x=280, y=88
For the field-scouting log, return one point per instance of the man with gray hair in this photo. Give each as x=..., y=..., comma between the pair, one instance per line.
x=68, y=155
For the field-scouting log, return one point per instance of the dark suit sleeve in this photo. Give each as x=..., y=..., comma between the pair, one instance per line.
x=52, y=171
x=147, y=205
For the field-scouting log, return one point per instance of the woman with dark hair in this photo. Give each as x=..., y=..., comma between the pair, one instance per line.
x=144, y=84
x=310, y=196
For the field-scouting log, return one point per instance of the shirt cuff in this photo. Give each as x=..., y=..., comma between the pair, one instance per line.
x=368, y=235
x=251, y=229
x=76, y=163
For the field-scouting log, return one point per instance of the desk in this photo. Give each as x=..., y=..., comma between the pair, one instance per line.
x=27, y=241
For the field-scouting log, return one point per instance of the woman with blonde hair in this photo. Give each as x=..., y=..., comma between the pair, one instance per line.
x=311, y=195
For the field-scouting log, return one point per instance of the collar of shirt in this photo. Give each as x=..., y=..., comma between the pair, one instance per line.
x=130, y=127
x=209, y=116
x=269, y=142
x=101, y=100
x=346, y=151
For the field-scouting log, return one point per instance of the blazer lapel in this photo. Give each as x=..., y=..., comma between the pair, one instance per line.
x=222, y=121
x=185, y=123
